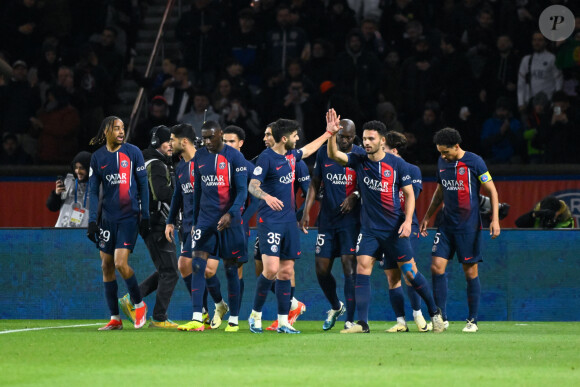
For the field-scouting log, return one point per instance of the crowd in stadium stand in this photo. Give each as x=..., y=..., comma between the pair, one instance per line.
x=416, y=65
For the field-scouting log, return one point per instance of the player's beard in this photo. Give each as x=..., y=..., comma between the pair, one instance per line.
x=372, y=151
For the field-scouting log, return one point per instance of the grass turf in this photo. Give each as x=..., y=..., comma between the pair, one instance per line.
x=501, y=353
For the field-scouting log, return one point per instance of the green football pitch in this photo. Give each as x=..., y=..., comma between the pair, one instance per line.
x=501, y=353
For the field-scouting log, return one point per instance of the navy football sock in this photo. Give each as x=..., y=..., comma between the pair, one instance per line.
x=187, y=281
x=349, y=281
x=440, y=292
x=414, y=298
x=262, y=286
x=198, y=283
x=397, y=301
x=283, y=291
x=241, y=292
x=213, y=286
x=473, y=296
x=422, y=288
x=133, y=287
x=233, y=289
x=111, y=289
x=362, y=292
x=328, y=285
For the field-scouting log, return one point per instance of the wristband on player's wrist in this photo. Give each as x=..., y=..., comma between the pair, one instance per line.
x=329, y=132
x=357, y=194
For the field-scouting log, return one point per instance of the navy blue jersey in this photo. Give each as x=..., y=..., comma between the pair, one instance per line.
x=379, y=183
x=461, y=181
x=183, y=194
x=124, y=179
x=221, y=186
x=302, y=177
x=277, y=174
x=417, y=182
x=336, y=183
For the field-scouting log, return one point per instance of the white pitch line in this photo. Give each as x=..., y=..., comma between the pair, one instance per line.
x=42, y=328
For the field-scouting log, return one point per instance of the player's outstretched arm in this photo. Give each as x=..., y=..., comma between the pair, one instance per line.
x=333, y=126
x=435, y=203
x=272, y=202
x=308, y=202
x=494, y=229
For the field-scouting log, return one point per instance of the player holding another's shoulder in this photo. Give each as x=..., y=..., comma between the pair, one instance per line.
x=219, y=193
x=460, y=174
x=273, y=182
x=338, y=223
x=385, y=229
x=120, y=169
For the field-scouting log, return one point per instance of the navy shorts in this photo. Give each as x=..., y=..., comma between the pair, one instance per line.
x=336, y=242
x=466, y=245
x=229, y=243
x=186, y=246
x=390, y=261
x=279, y=240
x=118, y=235
x=377, y=243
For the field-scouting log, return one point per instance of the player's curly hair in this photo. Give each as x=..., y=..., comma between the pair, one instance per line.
x=284, y=127
x=375, y=125
x=106, y=124
x=447, y=137
x=184, y=131
x=396, y=140
x=237, y=131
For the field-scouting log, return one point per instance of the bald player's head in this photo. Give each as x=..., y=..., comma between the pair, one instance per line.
x=346, y=135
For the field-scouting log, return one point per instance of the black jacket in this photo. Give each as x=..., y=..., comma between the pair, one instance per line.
x=161, y=185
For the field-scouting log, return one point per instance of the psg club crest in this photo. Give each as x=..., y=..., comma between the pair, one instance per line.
x=274, y=248
x=387, y=173
x=317, y=249
x=222, y=165
x=462, y=171
x=102, y=244
x=124, y=163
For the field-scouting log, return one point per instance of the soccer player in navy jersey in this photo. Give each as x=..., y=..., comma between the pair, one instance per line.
x=338, y=223
x=395, y=142
x=234, y=136
x=385, y=229
x=297, y=308
x=273, y=182
x=460, y=174
x=183, y=144
x=220, y=190
x=120, y=169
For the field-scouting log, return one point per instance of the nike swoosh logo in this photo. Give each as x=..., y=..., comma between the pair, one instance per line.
x=104, y=166
x=351, y=249
x=401, y=257
x=298, y=253
x=467, y=258
x=442, y=170
x=328, y=165
x=126, y=244
x=286, y=294
x=180, y=175
x=194, y=290
x=277, y=168
x=201, y=166
x=235, y=252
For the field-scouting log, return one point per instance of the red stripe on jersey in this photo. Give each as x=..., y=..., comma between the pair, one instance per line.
x=387, y=179
x=222, y=171
x=125, y=186
x=191, y=173
x=463, y=193
x=350, y=180
x=292, y=162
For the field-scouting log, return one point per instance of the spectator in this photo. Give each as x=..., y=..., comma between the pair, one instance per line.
x=390, y=89
x=234, y=71
x=70, y=196
x=501, y=135
x=538, y=118
x=308, y=15
x=246, y=45
x=500, y=74
x=395, y=19
x=562, y=136
x=422, y=131
x=223, y=95
x=387, y=114
x=294, y=73
x=373, y=40
x=12, y=153
x=19, y=26
x=158, y=116
x=357, y=73
x=49, y=64
x=201, y=111
x=285, y=41
x=58, y=123
x=549, y=213
x=111, y=60
x=296, y=105
x=160, y=81
x=178, y=94
x=338, y=15
x=413, y=32
x=199, y=35
x=65, y=79
x=480, y=39
x=19, y=100
x=319, y=67
x=538, y=72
